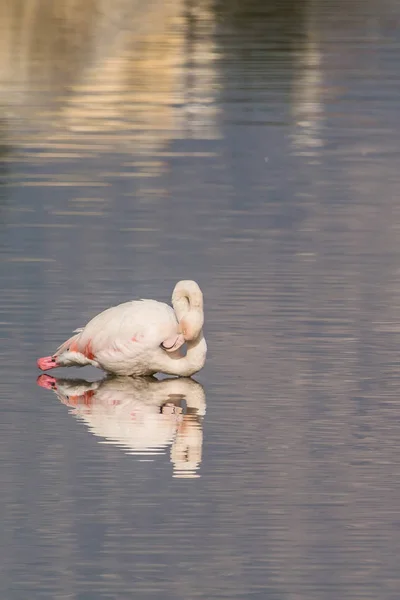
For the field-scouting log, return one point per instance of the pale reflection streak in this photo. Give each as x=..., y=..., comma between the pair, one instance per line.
x=307, y=108
x=144, y=416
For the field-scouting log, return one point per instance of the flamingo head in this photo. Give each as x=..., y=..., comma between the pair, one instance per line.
x=173, y=343
x=191, y=325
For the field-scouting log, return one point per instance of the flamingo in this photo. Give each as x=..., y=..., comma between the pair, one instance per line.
x=140, y=338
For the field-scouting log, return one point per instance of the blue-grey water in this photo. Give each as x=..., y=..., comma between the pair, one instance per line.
x=253, y=146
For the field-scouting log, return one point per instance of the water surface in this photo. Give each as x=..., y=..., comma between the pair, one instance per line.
x=253, y=147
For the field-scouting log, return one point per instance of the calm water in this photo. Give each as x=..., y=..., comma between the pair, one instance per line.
x=254, y=147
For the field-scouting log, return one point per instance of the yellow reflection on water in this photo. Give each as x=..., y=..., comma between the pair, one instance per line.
x=79, y=78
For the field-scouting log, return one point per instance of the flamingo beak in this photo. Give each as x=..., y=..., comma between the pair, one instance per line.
x=173, y=343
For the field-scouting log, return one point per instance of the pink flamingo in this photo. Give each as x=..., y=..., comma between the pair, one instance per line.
x=141, y=337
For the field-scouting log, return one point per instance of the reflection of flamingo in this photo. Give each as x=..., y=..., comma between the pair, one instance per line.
x=140, y=337
x=142, y=415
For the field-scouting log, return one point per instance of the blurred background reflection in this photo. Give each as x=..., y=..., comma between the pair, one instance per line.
x=251, y=145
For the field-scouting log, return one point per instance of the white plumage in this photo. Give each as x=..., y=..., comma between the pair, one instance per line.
x=140, y=337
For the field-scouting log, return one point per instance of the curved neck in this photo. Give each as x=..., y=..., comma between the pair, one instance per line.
x=187, y=297
x=187, y=300
x=184, y=366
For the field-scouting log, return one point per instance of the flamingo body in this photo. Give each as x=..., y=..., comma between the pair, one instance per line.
x=140, y=337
